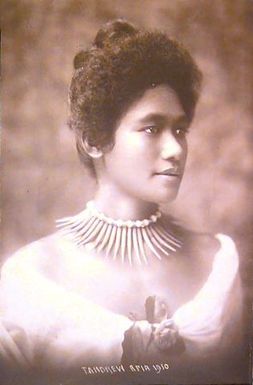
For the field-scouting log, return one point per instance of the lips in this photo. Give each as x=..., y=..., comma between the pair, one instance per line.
x=169, y=172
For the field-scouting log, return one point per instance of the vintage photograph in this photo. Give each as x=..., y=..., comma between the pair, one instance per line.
x=126, y=251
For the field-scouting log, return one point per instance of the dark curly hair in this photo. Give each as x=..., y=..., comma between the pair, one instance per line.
x=120, y=65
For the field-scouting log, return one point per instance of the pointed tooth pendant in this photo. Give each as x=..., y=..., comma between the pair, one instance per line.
x=86, y=238
x=81, y=230
x=75, y=233
x=111, y=240
x=106, y=239
x=141, y=243
x=171, y=244
x=131, y=240
x=74, y=219
x=149, y=243
x=129, y=244
x=172, y=238
x=80, y=225
x=117, y=242
x=156, y=241
x=123, y=243
x=100, y=235
x=159, y=238
x=136, y=246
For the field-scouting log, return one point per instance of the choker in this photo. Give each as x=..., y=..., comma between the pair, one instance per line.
x=127, y=240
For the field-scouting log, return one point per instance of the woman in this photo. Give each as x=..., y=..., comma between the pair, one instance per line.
x=121, y=282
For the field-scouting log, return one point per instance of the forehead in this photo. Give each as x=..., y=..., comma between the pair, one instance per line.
x=159, y=101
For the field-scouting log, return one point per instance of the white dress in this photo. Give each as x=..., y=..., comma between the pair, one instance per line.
x=47, y=324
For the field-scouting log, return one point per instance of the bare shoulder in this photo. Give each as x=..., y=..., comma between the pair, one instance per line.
x=198, y=247
x=202, y=244
x=194, y=242
x=35, y=255
x=207, y=246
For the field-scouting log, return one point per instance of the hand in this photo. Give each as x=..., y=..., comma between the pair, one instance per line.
x=145, y=342
x=157, y=309
x=167, y=338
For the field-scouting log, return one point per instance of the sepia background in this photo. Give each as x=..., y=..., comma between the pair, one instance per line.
x=42, y=178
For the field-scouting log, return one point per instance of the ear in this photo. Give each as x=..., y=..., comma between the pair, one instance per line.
x=92, y=151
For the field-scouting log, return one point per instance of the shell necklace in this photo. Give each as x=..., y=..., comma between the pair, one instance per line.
x=127, y=240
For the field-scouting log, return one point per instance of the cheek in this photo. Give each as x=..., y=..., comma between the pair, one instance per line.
x=133, y=147
x=184, y=146
x=133, y=141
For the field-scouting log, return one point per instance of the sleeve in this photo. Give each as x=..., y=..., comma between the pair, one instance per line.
x=15, y=349
x=42, y=323
x=217, y=307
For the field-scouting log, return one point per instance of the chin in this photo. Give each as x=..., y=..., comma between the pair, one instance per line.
x=165, y=193
x=156, y=195
x=167, y=200
x=164, y=198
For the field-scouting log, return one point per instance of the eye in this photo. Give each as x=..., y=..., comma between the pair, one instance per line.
x=181, y=131
x=151, y=130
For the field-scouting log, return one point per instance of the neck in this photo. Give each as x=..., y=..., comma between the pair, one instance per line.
x=118, y=205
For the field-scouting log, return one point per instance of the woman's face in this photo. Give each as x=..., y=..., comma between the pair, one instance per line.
x=148, y=158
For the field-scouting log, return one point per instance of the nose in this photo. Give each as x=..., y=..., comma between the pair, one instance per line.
x=171, y=147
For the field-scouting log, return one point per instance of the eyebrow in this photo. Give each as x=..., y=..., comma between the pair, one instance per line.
x=160, y=118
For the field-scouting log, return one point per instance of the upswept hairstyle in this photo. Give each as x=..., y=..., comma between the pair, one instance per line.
x=120, y=65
